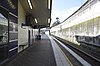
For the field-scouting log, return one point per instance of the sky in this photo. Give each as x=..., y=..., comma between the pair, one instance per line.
x=64, y=8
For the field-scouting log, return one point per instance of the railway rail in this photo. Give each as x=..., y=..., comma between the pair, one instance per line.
x=90, y=59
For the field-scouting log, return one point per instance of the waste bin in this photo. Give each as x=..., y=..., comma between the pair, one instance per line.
x=38, y=37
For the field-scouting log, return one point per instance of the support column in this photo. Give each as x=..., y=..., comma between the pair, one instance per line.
x=39, y=31
x=39, y=36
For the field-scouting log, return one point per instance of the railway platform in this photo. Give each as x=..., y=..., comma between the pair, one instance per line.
x=24, y=39
x=44, y=52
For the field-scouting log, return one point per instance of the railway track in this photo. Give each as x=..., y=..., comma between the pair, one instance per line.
x=90, y=59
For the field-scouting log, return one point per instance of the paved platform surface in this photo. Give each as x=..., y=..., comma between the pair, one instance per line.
x=39, y=54
x=60, y=57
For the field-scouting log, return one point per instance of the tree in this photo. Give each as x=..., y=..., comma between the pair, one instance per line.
x=56, y=22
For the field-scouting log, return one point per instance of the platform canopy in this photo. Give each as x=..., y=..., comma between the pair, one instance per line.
x=38, y=12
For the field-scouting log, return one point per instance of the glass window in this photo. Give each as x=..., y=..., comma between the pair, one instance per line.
x=13, y=30
x=3, y=29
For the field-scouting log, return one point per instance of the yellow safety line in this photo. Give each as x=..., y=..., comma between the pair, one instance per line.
x=66, y=57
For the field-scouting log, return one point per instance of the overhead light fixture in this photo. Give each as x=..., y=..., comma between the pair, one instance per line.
x=36, y=20
x=48, y=20
x=48, y=4
x=30, y=4
x=11, y=4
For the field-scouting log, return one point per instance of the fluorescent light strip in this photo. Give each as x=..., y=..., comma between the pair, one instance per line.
x=36, y=20
x=48, y=20
x=48, y=4
x=30, y=4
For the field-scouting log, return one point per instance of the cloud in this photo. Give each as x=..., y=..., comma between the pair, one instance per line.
x=62, y=14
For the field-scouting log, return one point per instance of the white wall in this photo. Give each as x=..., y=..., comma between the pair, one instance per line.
x=22, y=33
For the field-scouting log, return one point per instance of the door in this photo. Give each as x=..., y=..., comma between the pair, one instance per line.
x=29, y=37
